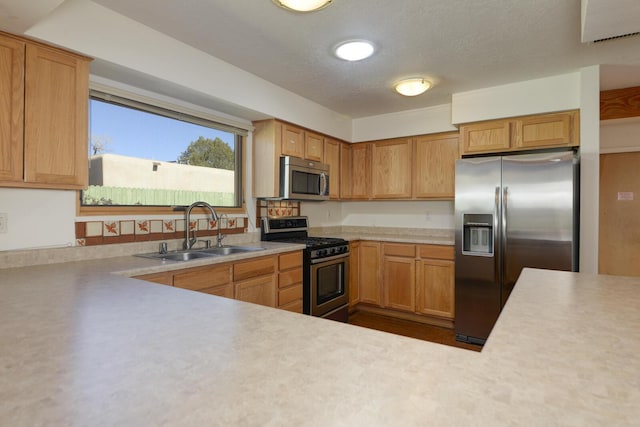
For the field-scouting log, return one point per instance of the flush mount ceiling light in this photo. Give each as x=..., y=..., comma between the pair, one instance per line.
x=354, y=50
x=303, y=5
x=412, y=87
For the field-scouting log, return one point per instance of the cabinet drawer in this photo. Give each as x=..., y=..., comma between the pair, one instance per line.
x=290, y=260
x=285, y=296
x=398, y=249
x=201, y=278
x=253, y=268
x=288, y=278
x=436, y=251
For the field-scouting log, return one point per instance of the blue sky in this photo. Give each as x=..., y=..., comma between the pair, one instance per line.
x=139, y=134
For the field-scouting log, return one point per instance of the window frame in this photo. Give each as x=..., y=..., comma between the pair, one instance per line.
x=170, y=109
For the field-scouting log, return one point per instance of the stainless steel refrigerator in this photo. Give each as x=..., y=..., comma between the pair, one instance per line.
x=511, y=212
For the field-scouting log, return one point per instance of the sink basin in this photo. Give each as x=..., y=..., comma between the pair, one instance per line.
x=192, y=254
x=178, y=256
x=228, y=250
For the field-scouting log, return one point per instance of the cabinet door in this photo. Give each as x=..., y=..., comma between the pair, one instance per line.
x=332, y=158
x=255, y=267
x=354, y=273
x=259, y=290
x=547, y=130
x=360, y=171
x=435, y=166
x=292, y=141
x=345, y=170
x=313, y=146
x=399, y=283
x=435, y=289
x=56, y=118
x=486, y=137
x=225, y=291
x=12, y=111
x=391, y=166
x=370, y=290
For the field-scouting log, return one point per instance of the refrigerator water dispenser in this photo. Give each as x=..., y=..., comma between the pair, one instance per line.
x=477, y=238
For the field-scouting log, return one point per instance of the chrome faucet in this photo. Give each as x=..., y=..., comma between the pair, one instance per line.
x=188, y=241
x=220, y=235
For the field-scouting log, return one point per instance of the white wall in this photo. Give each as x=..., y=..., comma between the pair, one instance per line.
x=405, y=123
x=620, y=135
x=589, y=167
x=37, y=218
x=555, y=93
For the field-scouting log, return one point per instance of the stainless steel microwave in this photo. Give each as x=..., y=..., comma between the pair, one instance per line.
x=303, y=179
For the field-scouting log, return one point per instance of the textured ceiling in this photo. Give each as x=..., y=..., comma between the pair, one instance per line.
x=460, y=44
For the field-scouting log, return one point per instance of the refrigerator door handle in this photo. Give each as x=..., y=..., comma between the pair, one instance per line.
x=496, y=236
x=505, y=205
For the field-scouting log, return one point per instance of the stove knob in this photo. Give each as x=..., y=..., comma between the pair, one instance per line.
x=332, y=250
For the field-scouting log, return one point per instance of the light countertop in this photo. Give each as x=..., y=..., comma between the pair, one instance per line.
x=81, y=346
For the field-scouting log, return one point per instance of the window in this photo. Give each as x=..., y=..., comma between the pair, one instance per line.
x=144, y=155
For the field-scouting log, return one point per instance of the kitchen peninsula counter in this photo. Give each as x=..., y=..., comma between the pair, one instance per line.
x=82, y=346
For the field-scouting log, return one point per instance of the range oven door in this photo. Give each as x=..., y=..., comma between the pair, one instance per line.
x=329, y=287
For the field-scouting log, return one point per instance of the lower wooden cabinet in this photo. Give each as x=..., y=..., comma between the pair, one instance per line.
x=406, y=278
x=369, y=274
x=259, y=290
x=435, y=288
x=274, y=281
x=354, y=274
x=290, y=282
x=399, y=276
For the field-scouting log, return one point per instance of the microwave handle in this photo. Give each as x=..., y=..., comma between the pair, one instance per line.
x=323, y=184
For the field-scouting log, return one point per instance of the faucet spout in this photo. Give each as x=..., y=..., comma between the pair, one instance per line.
x=188, y=240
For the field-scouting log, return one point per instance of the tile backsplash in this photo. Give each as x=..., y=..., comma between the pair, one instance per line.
x=275, y=208
x=92, y=233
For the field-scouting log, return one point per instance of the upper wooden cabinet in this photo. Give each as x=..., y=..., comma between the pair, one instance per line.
x=361, y=171
x=313, y=146
x=345, y=170
x=486, y=136
x=44, y=126
x=292, y=142
x=332, y=158
x=273, y=139
x=521, y=133
x=12, y=111
x=547, y=130
x=435, y=165
x=391, y=168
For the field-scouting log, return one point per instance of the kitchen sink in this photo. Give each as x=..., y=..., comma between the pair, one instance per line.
x=228, y=250
x=189, y=255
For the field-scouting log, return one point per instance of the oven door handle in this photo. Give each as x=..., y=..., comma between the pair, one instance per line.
x=329, y=258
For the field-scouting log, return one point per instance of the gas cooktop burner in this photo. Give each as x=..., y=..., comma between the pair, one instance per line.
x=295, y=230
x=315, y=242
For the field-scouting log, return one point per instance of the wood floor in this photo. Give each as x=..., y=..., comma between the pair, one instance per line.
x=408, y=328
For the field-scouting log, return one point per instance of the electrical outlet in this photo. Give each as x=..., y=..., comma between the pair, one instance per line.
x=3, y=222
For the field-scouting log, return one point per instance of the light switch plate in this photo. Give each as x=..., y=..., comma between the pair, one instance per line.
x=3, y=222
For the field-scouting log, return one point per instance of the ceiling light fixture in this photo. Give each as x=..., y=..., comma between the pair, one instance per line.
x=354, y=50
x=303, y=5
x=412, y=87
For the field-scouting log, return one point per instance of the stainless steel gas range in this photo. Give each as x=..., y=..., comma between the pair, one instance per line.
x=325, y=287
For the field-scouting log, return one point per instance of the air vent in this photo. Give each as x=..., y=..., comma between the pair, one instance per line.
x=622, y=36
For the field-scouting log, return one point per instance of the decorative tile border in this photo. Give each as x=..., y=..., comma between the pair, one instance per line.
x=276, y=208
x=93, y=233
